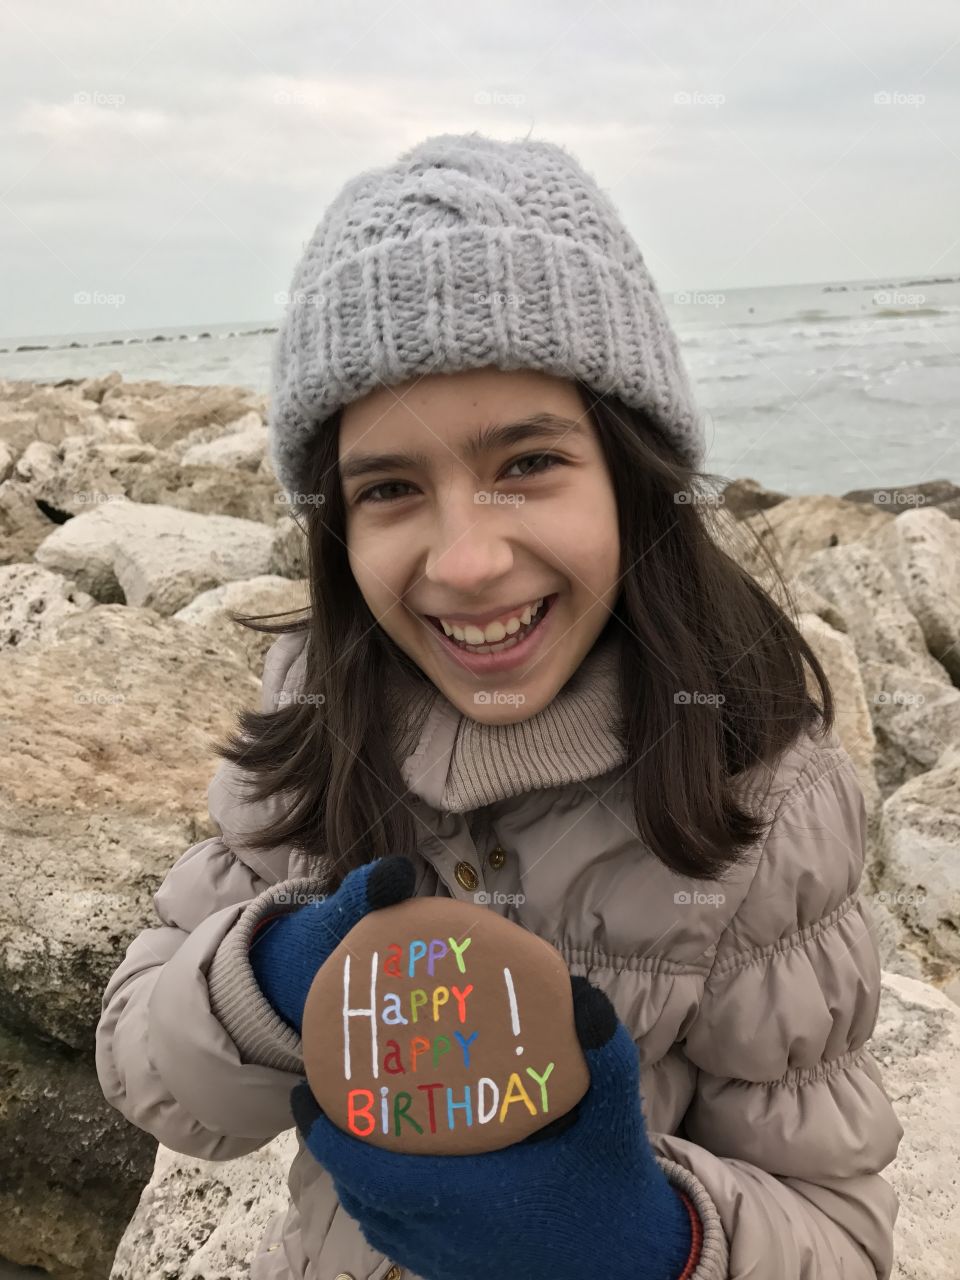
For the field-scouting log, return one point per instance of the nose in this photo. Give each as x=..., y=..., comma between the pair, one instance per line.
x=469, y=546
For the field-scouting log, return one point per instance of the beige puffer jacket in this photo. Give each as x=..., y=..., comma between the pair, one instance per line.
x=751, y=1001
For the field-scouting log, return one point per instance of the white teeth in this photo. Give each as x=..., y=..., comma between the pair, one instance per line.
x=494, y=632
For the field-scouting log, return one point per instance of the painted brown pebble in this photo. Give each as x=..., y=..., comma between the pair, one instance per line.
x=439, y=1027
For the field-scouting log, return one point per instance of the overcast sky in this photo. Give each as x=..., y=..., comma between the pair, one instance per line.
x=180, y=154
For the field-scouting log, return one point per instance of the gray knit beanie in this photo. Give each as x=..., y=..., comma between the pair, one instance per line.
x=469, y=252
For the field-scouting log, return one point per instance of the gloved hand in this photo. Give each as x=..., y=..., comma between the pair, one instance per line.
x=289, y=948
x=583, y=1195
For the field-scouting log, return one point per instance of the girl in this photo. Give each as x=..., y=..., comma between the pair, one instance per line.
x=529, y=666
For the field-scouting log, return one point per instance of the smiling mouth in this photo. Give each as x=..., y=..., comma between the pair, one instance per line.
x=496, y=646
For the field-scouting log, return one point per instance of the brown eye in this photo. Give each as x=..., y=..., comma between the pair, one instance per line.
x=550, y=458
x=374, y=488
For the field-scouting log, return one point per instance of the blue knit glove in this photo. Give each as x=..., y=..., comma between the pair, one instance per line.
x=583, y=1195
x=289, y=948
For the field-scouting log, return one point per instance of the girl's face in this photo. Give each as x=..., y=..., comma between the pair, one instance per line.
x=495, y=495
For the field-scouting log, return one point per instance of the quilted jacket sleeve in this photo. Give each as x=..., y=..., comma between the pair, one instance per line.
x=163, y=1057
x=790, y=1125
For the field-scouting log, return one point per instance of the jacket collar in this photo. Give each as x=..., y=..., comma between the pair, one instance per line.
x=456, y=763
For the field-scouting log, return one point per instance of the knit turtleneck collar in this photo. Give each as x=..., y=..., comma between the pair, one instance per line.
x=457, y=764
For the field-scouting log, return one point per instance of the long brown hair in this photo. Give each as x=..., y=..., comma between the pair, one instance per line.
x=694, y=623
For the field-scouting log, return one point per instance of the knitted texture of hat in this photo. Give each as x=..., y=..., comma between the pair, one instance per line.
x=469, y=252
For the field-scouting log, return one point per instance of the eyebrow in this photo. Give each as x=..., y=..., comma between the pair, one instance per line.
x=492, y=436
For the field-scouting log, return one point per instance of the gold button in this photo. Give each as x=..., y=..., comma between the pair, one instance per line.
x=497, y=856
x=394, y=1273
x=344, y=1275
x=466, y=876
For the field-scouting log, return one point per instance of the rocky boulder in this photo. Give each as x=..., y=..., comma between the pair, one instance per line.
x=32, y=600
x=745, y=497
x=855, y=579
x=78, y=1165
x=110, y=722
x=916, y=1044
x=854, y=726
x=156, y=557
x=200, y=1218
x=794, y=530
x=23, y=522
x=918, y=862
x=922, y=551
x=31, y=413
x=164, y=412
x=212, y=612
x=242, y=445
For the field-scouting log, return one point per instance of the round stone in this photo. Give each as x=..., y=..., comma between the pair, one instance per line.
x=439, y=1027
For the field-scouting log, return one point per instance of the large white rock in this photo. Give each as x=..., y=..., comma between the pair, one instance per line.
x=154, y=556
x=268, y=594
x=243, y=445
x=881, y=626
x=794, y=530
x=917, y=1046
x=6, y=461
x=81, y=472
x=919, y=850
x=32, y=600
x=922, y=548
x=165, y=412
x=200, y=1218
x=915, y=719
x=31, y=412
x=23, y=525
x=838, y=658
x=107, y=726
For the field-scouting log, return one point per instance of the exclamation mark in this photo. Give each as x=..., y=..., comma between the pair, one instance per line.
x=514, y=1014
